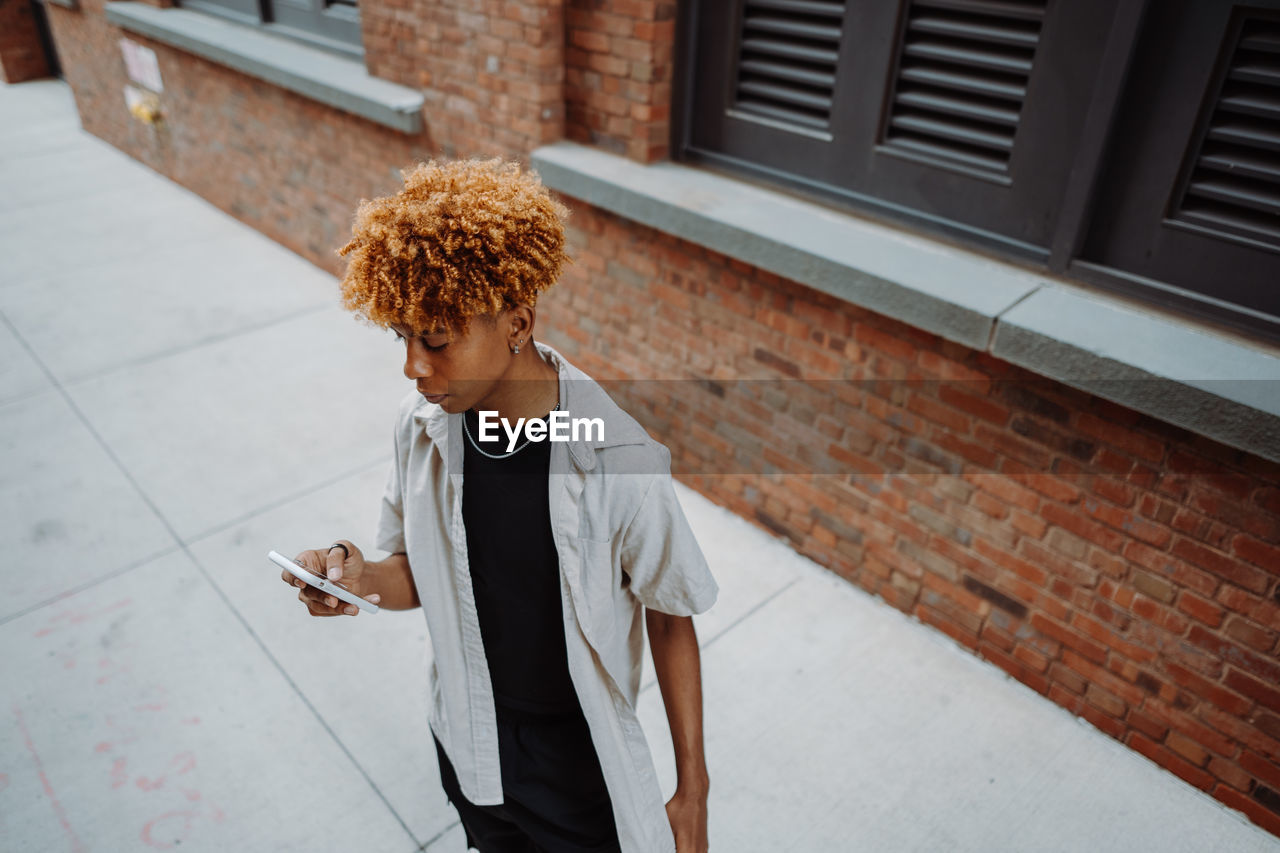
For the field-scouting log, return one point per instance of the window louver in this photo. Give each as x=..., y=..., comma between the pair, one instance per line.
x=962, y=78
x=1234, y=185
x=787, y=60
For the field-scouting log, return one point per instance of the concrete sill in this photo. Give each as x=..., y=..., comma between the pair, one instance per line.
x=332, y=80
x=1201, y=379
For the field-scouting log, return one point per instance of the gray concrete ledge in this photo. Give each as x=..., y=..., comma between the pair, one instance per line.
x=1170, y=368
x=340, y=83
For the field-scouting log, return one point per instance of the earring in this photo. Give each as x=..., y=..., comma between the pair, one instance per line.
x=516, y=350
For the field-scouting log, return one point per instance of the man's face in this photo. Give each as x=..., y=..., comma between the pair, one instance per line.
x=456, y=370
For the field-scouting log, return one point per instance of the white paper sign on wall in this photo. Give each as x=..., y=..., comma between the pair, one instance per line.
x=141, y=65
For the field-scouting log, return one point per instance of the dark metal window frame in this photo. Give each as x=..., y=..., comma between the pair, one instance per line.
x=1076, y=211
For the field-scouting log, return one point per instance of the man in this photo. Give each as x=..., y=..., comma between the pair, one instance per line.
x=533, y=569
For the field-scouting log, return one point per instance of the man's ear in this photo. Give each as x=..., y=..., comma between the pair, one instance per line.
x=520, y=320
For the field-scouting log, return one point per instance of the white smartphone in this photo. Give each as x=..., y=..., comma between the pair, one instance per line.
x=337, y=590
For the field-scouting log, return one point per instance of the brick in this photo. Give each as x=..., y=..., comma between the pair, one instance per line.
x=1250, y=634
x=1217, y=563
x=1116, y=491
x=1252, y=734
x=1074, y=521
x=1032, y=658
x=1070, y=571
x=1068, y=637
x=1067, y=677
x=1263, y=816
x=883, y=342
x=941, y=414
x=1267, y=772
x=588, y=40
x=1258, y=609
x=963, y=635
x=1152, y=586
x=1207, y=689
x=1259, y=553
x=1187, y=748
x=1200, y=609
x=1121, y=519
x=979, y=407
x=1104, y=635
x=1027, y=524
x=1254, y=689
x=1123, y=438
x=1229, y=773
x=1104, y=701
x=1171, y=762
x=1244, y=659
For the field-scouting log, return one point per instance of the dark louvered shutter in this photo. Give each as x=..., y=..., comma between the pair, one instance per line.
x=787, y=60
x=1189, y=196
x=962, y=78
x=956, y=114
x=1234, y=186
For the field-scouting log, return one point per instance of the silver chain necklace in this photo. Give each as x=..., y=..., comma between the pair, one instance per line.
x=484, y=452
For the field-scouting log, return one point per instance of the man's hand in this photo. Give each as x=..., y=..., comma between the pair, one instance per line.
x=688, y=815
x=346, y=568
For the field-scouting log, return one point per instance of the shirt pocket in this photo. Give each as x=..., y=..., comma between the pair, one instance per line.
x=600, y=579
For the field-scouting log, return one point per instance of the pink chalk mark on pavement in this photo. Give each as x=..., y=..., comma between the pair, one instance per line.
x=150, y=706
x=76, y=616
x=192, y=721
x=156, y=826
x=127, y=734
x=4, y=781
x=119, y=776
x=184, y=762
x=103, y=746
x=105, y=662
x=76, y=844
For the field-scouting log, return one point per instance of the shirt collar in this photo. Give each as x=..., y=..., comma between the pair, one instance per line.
x=580, y=397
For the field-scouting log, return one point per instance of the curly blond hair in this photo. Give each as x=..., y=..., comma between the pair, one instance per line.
x=464, y=238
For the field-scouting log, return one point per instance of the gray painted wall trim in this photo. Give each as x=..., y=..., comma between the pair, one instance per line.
x=1171, y=368
x=340, y=83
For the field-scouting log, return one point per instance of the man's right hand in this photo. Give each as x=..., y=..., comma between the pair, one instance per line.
x=331, y=563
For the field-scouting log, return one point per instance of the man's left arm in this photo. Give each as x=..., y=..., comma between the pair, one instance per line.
x=677, y=664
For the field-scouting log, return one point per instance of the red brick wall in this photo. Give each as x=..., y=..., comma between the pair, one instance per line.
x=618, y=57
x=492, y=73
x=22, y=56
x=1126, y=569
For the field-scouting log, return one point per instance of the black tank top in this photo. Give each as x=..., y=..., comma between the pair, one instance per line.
x=515, y=575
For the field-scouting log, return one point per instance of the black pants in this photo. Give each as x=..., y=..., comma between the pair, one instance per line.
x=554, y=796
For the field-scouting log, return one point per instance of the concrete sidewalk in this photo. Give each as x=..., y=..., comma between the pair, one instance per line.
x=168, y=380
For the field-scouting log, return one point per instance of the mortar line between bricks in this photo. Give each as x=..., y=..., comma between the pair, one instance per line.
x=231, y=608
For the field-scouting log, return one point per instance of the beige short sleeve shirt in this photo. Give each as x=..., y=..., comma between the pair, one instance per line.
x=623, y=544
